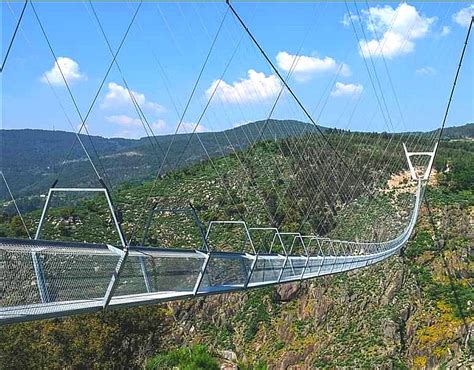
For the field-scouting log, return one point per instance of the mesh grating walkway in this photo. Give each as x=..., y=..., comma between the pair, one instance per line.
x=44, y=279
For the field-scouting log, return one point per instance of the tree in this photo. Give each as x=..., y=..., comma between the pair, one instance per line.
x=16, y=227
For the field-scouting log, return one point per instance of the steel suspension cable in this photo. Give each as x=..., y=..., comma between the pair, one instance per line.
x=367, y=67
x=355, y=188
x=146, y=125
x=276, y=71
x=287, y=133
x=305, y=111
x=15, y=204
x=162, y=71
x=185, y=110
x=388, y=163
x=77, y=136
x=10, y=44
x=196, y=125
x=67, y=87
x=385, y=62
x=453, y=88
x=295, y=59
x=83, y=122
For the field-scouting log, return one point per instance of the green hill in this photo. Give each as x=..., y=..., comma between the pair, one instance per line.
x=31, y=159
x=411, y=311
x=459, y=132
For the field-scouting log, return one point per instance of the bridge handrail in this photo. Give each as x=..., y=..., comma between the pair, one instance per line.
x=210, y=271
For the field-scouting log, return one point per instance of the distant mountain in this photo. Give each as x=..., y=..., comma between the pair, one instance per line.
x=32, y=159
x=459, y=132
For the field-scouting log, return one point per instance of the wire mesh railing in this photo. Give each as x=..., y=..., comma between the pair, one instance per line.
x=42, y=279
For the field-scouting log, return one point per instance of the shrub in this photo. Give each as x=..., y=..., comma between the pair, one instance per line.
x=185, y=358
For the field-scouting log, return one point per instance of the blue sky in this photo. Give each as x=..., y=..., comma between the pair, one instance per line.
x=413, y=46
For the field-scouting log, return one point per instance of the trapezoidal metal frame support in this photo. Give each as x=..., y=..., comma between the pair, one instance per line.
x=123, y=253
x=427, y=172
x=253, y=255
x=79, y=190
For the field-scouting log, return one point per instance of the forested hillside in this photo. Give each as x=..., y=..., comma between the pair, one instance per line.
x=413, y=310
x=33, y=159
x=460, y=132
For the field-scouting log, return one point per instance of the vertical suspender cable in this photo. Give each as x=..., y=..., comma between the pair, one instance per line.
x=298, y=102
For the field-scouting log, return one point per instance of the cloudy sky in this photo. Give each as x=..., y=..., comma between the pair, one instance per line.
x=382, y=67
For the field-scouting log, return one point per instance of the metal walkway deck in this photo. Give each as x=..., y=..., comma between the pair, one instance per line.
x=44, y=279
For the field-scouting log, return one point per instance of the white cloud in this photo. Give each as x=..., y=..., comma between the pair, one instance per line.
x=445, y=31
x=398, y=30
x=463, y=17
x=124, y=120
x=68, y=67
x=346, y=21
x=426, y=71
x=305, y=66
x=257, y=86
x=342, y=89
x=135, y=123
x=188, y=127
x=391, y=45
x=118, y=97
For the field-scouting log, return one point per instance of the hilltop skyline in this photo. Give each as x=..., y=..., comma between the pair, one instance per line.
x=420, y=45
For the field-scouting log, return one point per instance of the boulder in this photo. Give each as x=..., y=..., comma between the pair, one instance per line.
x=288, y=292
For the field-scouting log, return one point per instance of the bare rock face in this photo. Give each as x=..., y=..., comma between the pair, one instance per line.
x=229, y=355
x=391, y=334
x=288, y=292
x=290, y=361
x=228, y=367
x=392, y=288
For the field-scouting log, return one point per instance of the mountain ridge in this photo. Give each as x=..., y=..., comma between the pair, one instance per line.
x=40, y=154
x=32, y=158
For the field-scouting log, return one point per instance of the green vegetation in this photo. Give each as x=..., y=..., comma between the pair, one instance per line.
x=255, y=312
x=38, y=155
x=196, y=357
x=410, y=311
x=259, y=184
x=456, y=180
x=115, y=339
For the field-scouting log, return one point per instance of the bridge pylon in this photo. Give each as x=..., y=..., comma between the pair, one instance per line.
x=426, y=173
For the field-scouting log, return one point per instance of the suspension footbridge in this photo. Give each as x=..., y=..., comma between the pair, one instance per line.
x=42, y=279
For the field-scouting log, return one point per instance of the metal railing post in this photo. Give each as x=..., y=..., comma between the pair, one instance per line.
x=202, y=272
x=121, y=262
x=311, y=238
x=40, y=278
x=43, y=214
x=252, y=267
x=37, y=264
x=322, y=253
x=146, y=277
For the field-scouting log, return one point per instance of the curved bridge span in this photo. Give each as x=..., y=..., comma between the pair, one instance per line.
x=42, y=279
x=45, y=279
